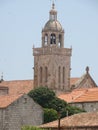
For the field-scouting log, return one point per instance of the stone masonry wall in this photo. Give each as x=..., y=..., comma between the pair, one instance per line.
x=23, y=111
x=58, y=57
x=87, y=106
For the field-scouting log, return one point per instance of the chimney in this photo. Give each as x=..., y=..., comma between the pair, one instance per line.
x=4, y=90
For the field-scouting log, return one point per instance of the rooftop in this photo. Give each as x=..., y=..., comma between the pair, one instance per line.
x=18, y=86
x=81, y=95
x=8, y=99
x=77, y=120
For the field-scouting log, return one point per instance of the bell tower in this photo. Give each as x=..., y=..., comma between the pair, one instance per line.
x=52, y=60
x=53, y=33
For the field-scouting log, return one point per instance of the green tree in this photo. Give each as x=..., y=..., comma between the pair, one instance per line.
x=47, y=99
x=42, y=96
x=73, y=110
x=50, y=115
x=57, y=104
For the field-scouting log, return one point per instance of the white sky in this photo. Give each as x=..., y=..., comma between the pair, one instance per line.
x=21, y=22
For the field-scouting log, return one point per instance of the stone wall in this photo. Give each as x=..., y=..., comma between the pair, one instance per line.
x=87, y=106
x=23, y=111
x=57, y=62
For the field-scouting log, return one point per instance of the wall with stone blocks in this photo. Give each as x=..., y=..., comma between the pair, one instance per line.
x=22, y=112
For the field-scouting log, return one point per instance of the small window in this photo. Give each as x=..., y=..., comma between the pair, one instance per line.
x=25, y=100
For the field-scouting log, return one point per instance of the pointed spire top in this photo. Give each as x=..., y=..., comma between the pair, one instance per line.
x=87, y=69
x=53, y=5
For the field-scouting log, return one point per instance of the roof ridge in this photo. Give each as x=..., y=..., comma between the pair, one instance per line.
x=18, y=80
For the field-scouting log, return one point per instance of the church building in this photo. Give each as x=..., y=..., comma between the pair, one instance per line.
x=52, y=61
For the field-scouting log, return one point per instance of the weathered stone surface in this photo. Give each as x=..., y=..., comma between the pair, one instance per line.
x=52, y=60
x=23, y=111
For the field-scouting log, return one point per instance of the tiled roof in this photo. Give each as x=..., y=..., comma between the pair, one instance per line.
x=6, y=100
x=79, y=120
x=81, y=95
x=18, y=86
x=73, y=81
x=91, y=95
x=16, y=89
x=71, y=96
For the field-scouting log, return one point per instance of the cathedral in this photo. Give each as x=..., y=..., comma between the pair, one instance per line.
x=52, y=61
x=52, y=65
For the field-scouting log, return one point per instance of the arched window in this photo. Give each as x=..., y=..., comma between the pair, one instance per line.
x=63, y=74
x=46, y=39
x=40, y=74
x=46, y=74
x=52, y=39
x=60, y=38
x=59, y=74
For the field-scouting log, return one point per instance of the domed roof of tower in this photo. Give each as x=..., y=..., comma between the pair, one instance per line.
x=53, y=24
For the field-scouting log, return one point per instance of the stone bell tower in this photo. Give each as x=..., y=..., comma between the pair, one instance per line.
x=52, y=60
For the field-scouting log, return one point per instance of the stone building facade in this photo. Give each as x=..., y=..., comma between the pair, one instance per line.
x=52, y=60
x=87, y=106
x=19, y=110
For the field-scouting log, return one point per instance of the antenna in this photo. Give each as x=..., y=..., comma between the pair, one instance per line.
x=53, y=1
x=1, y=77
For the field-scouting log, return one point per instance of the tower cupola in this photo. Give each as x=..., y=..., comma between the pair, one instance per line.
x=53, y=33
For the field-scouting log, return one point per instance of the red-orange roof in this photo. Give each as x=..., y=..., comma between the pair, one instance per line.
x=71, y=96
x=18, y=86
x=91, y=95
x=81, y=95
x=73, y=81
x=77, y=120
x=6, y=100
x=16, y=89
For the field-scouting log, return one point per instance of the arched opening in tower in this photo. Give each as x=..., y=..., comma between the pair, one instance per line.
x=60, y=40
x=52, y=39
x=46, y=39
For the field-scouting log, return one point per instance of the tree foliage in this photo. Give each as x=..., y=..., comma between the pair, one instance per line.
x=42, y=96
x=50, y=115
x=47, y=99
x=73, y=110
x=57, y=104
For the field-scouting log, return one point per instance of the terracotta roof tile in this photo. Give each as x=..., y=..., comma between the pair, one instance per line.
x=83, y=119
x=16, y=89
x=81, y=95
x=8, y=99
x=73, y=81
x=18, y=86
x=71, y=96
x=91, y=95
